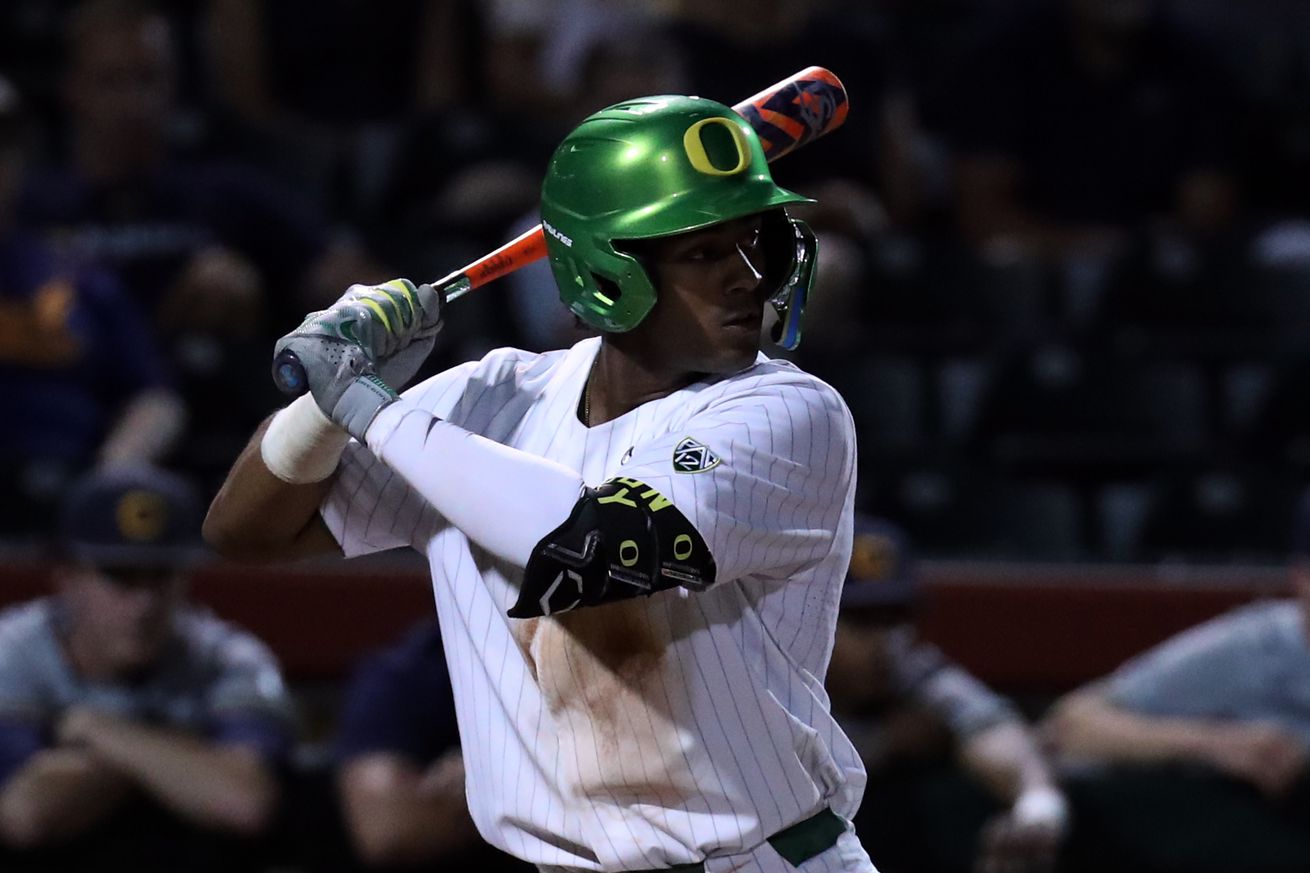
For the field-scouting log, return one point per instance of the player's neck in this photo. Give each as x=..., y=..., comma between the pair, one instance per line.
x=619, y=382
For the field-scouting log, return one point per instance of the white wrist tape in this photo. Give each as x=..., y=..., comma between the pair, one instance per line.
x=1043, y=806
x=302, y=445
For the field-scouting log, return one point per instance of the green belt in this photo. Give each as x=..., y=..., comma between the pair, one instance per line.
x=796, y=844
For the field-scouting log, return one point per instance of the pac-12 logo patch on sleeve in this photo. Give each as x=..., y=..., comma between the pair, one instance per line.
x=689, y=456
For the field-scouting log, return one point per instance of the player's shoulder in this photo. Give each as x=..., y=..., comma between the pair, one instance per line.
x=1261, y=620
x=775, y=381
x=1250, y=631
x=498, y=373
x=509, y=365
x=519, y=366
x=778, y=372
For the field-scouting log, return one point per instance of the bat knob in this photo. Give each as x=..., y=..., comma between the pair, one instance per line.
x=289, y=374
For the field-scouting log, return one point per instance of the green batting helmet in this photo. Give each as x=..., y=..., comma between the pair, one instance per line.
x=654, y=167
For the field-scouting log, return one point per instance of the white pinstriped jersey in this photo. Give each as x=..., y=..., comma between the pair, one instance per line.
x=654, y=731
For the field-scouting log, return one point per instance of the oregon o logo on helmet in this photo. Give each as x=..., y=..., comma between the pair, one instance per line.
x=694, y=146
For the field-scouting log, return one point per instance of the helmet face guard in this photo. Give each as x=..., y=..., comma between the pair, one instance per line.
x=657, y=167
x=791, y=252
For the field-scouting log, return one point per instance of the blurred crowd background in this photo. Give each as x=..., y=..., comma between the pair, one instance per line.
x=1064, y=288
x=1066, y=263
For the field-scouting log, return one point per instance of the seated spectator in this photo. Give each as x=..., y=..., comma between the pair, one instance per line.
x=193, y=238
x=207, y=247
x=1125, y=124
x=136, y=732
x=1228, y=699
x=298, y=86
x=919, y=721
x=545, y=52
x=275, y=71
x=400, y=772
x=1229, y=695
x=78, y=358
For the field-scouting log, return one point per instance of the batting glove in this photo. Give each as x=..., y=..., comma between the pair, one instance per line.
x=395, y=323
x=342, y=375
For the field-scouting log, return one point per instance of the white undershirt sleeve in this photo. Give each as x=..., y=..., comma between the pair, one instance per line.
x=503, y=499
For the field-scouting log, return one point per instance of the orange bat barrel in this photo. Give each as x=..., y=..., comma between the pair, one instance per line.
x=796, y=111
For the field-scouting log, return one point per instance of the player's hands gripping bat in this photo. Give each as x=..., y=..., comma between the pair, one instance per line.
x=395, y=323
x=352, y=353
x=786, y=116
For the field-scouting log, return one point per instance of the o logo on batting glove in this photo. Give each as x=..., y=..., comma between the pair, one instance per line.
x=694, y=145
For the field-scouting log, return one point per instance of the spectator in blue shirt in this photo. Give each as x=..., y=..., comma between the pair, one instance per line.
x=79, y=360
x=957, y=779
x=1081, y=123
x=1195, y=755
x=400, y=774
x=212, y=249
x=136, y=732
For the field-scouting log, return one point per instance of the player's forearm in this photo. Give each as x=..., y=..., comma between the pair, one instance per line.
x=147, y=428
x=58, y=794
x=503, y=499
x=1086, y=725
x=212, y=785
x=258, y=516
x=1006, y=759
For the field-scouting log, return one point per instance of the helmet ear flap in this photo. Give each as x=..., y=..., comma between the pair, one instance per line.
x=611, y=292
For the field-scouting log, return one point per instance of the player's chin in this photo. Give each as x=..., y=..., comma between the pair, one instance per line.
x=736, y=352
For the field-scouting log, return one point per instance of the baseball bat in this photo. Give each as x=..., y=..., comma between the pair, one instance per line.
x=786, y=115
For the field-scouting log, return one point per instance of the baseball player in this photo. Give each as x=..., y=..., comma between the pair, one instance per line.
x=636, y=544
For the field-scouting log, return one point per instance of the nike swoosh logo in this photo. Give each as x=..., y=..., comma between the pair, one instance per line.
x=347, y=331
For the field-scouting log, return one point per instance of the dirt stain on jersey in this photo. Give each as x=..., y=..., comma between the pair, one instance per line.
x=525, y=631
x=595, y=658
x=602, y=673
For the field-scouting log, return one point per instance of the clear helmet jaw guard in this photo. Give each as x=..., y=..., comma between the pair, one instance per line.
x=793, y=291
x=657, y=167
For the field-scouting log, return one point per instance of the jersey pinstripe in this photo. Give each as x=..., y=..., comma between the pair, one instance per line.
x=656, y=731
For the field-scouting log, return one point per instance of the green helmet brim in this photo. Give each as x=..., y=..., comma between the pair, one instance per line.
x=673, y=217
